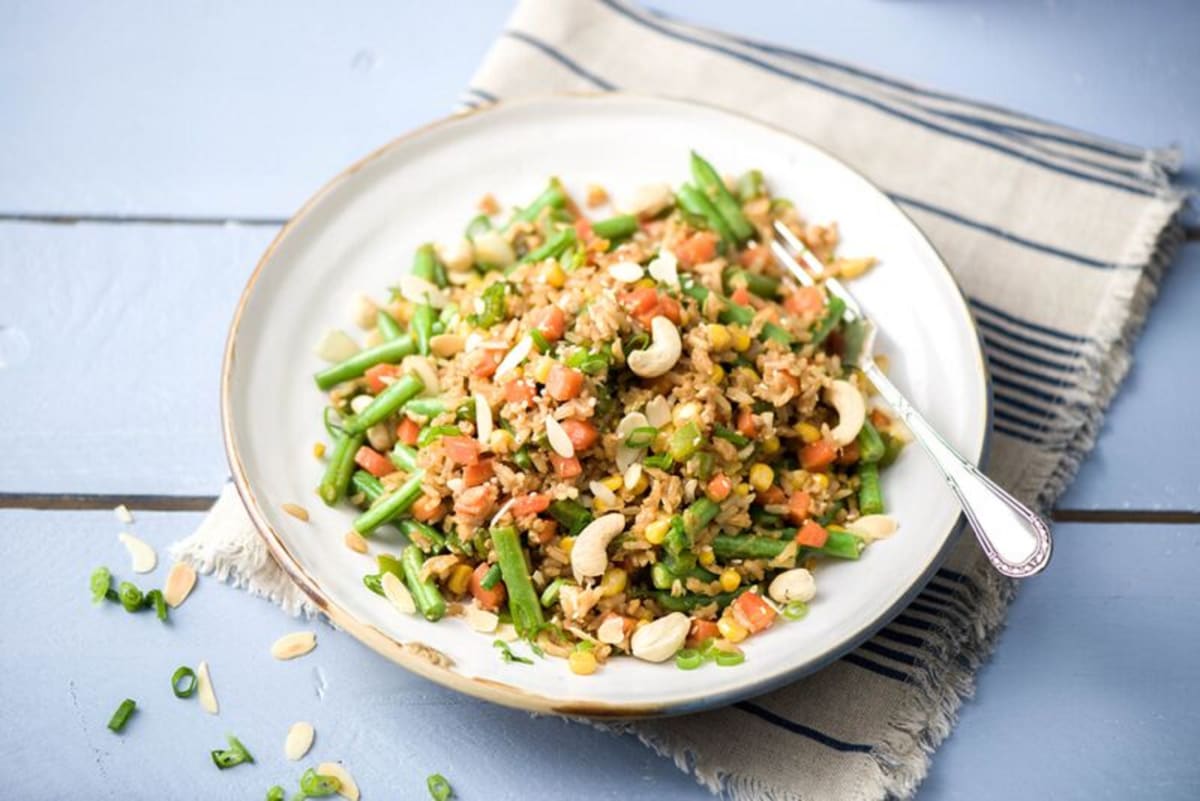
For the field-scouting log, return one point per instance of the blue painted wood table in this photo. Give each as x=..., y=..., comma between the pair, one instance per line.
x=148, y=152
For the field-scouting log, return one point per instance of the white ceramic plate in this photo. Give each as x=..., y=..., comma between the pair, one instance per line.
x=359, y=232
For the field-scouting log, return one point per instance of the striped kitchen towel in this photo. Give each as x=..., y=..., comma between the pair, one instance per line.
x=1058, y=239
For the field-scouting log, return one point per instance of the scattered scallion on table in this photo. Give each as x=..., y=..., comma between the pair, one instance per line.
x=121, y=716
x=232, y=756
x=187, y=676
x=439, y=788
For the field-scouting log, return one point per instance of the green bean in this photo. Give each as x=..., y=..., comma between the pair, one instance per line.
x=425, y=263
x=521, y=458
x=764, y=286
x=552, y=196
x=727, y=205
x=750, y=185
x=491, y=577
x=678, y=541
x=523, y=602
x=428, y=435
x=392, y=398
x=690, y=601
x=418, y=532
x=404, y=457
x=391, y=352
x=390, y=506
x=340, y=467
x=389, y=329
x=731, y=436
x=870, y=445
x=893, y=447
x=426, y=407
x=614, y=228
x=699, y=514
x=422, y=325
x=390, y=564
x=571, y=515
x=426, y=595
x=854, y=334
x=870, y=496
x=372, y=581
x=553, y=247
x=842, y=544
x=695, y=202
x=744, y=547
x=367, y=484
x=735, y=313
x=833, y=315
x=663, y=575
x=775, y=333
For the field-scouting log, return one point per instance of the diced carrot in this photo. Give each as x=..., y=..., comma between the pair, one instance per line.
x=564, y=383
x=487, y=599
x=461, y=450
x=408, y=431
x=565, y=467
x=755, y=256
x=543, y=531
x=376, y=374
x=475, y=501
x=745, y=422
x=530, y=504
x=849, y=453
x=799, y=505
x=702, y=630
x=476, y=474
x=812, y=534
x=551, y=322
x=641, y=301
x=583, y=228
x=880, y=419
x=752, y=612
x=669, y=307
x=519, y=392
x=719, y=487
x=771, y=496
x=740, y=296
x=817, y=455
x=804, y=301
x=582, y=433
x=698, y=248
x=427, y=509
x=373, y=462
x=489, y=360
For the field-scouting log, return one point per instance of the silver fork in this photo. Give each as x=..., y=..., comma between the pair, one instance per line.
x=1015, y=539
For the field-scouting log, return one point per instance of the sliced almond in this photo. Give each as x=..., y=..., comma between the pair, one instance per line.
x=612, y=630
x=632, y=475
x=204, y=689
x=626, y=271
x=144, y=557
x=295, y=510
x=292, y=645
x=178, y=586
x=424, y=371
x=480, y=620
x=483, y=419
x=658, y=411
x=335, y=769
x=123, y=514
x=512, y=360
x=665, y=268
x=395, y=591
x=418, y=290
x=299, y=740
x=559, y=441
x=355, y=542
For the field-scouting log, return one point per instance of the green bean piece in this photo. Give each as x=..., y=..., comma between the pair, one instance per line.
x=870, y=496
x=425, y=263
x=893, y=447
x=390, y=506
x=422, y=325
x=664, y=574
x=776, y=333
x=418, y=533
x=373, y=582
x=553, y=247
x=389, y=564
x=736, y=313
x=614, y=228
x=398, y=393
x=426, y=594
x=764, y=519
x=552, y=196
x=727, y=205
x=429, y=435
x=332, y=428
x=750, y=185
x=764, y=286
x=439, y=788
x=685, y=441
x=130, y=596
x=854, y=335
x=743, y=547
x=371, y=487
x=521, y=458
x=389, y=329
x=842, y=544
x=101, y=581
x=731, y=436
x=479, y=224
x=523, y=602
x=339, y=469
x=690, y=601
x=870, y=445
x=661, y=576
x=701, y=512
x=550, y=594
x=495, y=305
x=571, y=515
x=695, y=202
x=834, y=310
x=491, y=577
x=677, y=541
x=119, y=718
x=426, y=407
x=391, y=352
x=705, y=462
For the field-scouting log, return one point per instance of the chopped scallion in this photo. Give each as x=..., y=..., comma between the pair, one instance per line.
x=130, y=596
x=232, y=756
x=314, y=785
x=121, y=716
x=101, y=582
x=641, y=437
x=506, y=654
x=439, y=788
x=188, y=688
x=688, y=659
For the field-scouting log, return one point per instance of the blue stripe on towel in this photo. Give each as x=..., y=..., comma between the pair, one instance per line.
x=763, y=713
x=553, y=53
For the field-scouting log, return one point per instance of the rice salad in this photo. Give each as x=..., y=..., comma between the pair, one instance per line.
x=636, y=435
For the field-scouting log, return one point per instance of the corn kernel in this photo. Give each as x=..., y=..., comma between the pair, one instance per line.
x=749, y=372
x=707, y=557
x=599, y=506
x=717, y=374
x=853, y=268
x=460, y=577
x=730, y=579
x=761, y=476
x=821, y=480
x=646, y=283
x=771, y=445
x=318, y=449
x=542, y=371
x=731, y=630
x=719, y=337
x=640, y=485
x=567, y=543
x=808, y=432
x=741, y=340
x=742, y=489
x=553, y=275
x=582, y=663
x=614, y=483
x=656, y=532
x=501, y=441
x=614, y=582
x=661, y=442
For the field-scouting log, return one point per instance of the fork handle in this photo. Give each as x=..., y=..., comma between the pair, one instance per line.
x=1015, y=539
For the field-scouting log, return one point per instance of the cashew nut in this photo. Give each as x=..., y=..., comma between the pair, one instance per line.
x=792, y=585
x=845, y=398
x=873, y=527
x=458, y=256
x=665, y=348
x=658, y=641
x=589, y=556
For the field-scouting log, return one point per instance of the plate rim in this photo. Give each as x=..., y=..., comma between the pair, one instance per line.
x=430, y=663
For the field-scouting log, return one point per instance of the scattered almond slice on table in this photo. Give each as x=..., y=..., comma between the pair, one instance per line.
x=348, y=788
x=296, y=511
x=293, y=645
x=356, y=542
x=178, y=586
x=299, y=740
x=204, y=689
x=144, y=557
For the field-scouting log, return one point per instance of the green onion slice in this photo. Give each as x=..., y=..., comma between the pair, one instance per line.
x=121, y=716
x=731, y=436
x=730, y=658
x=641, y=437
x=130, y=596
x=795, y=610
x=188, y=689
x=506, y=654
x=539, y=340
x=688, y=659
x=232, y=756
x=314, y=785
x=276, y=793
x=100, y=582
x=439, y=788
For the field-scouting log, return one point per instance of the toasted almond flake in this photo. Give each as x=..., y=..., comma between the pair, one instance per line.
x=627, y=456
x=483, y=419
x=336, y=345
x=180, y=580
x=603, y=494
x=611, y=631
x=124, y=515
x=512, y=360
x=418, y=290
x=507, y=632
x=299, y=740
x=632, y=475
x=204, y=689
x=665, y=268
x=335, y=769
x=480, y=620
x=421, y=366
x=439, y=566
x=658, y=411
x=355, y=542
x=446, y=345
x=399, y=596
x=559, y=441
x=626, y=271
x=290, y=646
x=360, y=402
x=144, y=557
x=296, y=511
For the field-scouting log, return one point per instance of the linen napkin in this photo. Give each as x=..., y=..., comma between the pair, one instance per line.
x=1058, y=239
